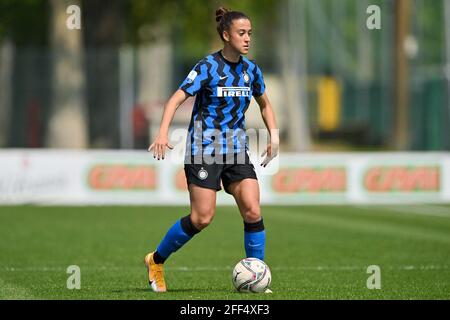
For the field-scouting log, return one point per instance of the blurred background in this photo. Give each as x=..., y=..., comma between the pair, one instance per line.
x=335, y=83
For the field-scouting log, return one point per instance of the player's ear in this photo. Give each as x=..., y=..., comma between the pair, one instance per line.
x=226, y=36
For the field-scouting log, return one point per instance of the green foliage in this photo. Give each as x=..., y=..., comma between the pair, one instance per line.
x=191, y=24
x=142, y=18
x=25, y=22
x=430, y=30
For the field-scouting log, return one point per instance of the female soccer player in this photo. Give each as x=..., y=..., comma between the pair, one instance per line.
x=216, y=146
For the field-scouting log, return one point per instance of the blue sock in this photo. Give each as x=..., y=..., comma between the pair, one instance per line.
x=180, y=233
x=255, y=239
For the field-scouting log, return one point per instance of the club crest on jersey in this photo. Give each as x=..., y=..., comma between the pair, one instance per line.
x=246, y=77
x=233, y=91
x=202, y=174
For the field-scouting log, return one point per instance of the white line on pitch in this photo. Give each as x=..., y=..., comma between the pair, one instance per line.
x=197, y=269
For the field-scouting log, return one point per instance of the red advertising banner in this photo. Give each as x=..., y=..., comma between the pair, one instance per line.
x=122, y=177
x=402, y=179
x=310, y=179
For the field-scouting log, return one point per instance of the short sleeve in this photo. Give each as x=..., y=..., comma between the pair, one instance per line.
x=196, y=79
x=258, y=83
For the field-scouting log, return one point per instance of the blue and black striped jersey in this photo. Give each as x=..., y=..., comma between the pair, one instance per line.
x=223, y=92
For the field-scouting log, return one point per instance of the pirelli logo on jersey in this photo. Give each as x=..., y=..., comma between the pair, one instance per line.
x=233, y=91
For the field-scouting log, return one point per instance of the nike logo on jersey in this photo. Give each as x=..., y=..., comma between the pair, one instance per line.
x=223, y=77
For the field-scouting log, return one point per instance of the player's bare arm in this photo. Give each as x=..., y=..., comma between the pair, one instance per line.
x=161, y=141
x=269, y=120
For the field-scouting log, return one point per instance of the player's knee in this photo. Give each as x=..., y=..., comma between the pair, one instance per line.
x=253, y=214
x=201, y=221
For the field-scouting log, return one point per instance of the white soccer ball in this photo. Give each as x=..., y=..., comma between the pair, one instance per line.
x=251, y=275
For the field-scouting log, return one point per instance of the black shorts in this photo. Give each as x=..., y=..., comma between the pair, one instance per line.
x=210, y=175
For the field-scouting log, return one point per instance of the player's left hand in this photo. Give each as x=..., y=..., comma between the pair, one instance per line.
x=270, y=152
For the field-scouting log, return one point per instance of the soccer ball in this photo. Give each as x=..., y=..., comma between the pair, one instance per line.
x=251, y=275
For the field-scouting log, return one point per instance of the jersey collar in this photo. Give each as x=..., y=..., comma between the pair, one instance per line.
x=227, y=61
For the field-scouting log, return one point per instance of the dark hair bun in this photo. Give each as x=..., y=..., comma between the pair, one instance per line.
x=220, y=12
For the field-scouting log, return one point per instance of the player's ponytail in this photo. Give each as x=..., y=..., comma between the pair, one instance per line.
x=224, y=19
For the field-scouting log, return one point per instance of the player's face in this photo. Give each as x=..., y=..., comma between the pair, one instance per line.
x=239, y=35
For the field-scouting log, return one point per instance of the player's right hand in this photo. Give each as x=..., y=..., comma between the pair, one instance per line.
x=159, y=147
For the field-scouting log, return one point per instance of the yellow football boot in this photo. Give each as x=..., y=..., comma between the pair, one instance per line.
x=155, y=274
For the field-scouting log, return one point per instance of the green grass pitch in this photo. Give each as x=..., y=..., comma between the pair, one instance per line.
x=314, y=252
